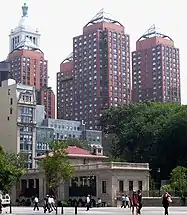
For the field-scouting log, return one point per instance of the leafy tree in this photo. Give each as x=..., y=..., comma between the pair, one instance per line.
x=56, y=166
x=10, y=170
x=167, y=188
x=178, y=180
x=148, y=132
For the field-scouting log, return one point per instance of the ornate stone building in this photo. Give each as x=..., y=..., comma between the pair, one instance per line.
x=93, y=175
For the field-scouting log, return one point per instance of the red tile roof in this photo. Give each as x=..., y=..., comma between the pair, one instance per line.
x=74, y=151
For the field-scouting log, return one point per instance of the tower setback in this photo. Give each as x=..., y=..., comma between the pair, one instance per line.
x=97, y=74
x=28, y=65
x=155, y=68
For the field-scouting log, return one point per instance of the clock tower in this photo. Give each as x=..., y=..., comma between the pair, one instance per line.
x=24, y=31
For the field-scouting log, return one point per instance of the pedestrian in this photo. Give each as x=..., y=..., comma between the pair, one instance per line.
x=1, y=208
x=50, y=201
x=166, y=199
x=123, y=201
x=139, y=202
x=36, y=200
x=127, y=201
x=134, y=201
x=88, y=202
x=53, y=206
x=99, y=202
x=46, y=204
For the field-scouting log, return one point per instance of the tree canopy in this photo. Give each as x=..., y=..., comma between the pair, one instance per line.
x=178, y=181
x=148, y=132
x=12, y=167
x=56, y=166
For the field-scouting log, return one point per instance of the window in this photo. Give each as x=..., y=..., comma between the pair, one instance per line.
x=121, y=186
x=10, y=110
x=130, y=185
x=8, y=118
x=103, y=186
x=99, y=150
x=8, y=91
x=139, y=185
x=11, y=101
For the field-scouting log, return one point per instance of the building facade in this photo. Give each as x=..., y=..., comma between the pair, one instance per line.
x=18, y=119
x=71, y=129
x=97, y=75
x=4, y=70
x=93, y=175
x=155, y=69
x=28, y=64
x=44, y=136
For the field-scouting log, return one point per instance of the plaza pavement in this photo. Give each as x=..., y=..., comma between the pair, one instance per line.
x=98, y=211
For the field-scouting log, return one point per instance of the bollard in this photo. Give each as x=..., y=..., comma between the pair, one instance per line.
x=62, y=209
x=75, y=208
x=10, y=207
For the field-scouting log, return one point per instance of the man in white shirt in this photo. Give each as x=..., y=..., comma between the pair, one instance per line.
x=53, y=203
x=36, y=200
x=127, y=201
x=88, y=201
x=50, y=204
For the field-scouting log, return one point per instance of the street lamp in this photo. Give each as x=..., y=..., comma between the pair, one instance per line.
x=158, y=179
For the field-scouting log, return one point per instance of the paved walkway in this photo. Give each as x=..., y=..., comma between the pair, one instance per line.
x=97, y=211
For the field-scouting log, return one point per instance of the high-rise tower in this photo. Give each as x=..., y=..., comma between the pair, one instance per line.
x=27, y=62
x=97, y=76
x=155, y=69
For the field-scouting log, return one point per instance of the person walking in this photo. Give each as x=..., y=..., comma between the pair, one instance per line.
x=46, y=204
x=127, y=201
x=123, y=201
x=88, y=202
x=166, y=199
x=139, y=202
x=36, y=200
x=133, y=201
x=53, y=205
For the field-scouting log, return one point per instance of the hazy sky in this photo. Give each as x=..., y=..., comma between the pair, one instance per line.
x=59, y=21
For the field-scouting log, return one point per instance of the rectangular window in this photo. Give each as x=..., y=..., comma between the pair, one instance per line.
x=130, y=185
x=140, y=185
x=11, y=101
x=121, y=186
x=103, y=186
x=10, y=110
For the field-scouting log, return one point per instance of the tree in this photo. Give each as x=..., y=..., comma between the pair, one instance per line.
x=11, y=169
x=148, y=132
x=56, y=166
x=178, y=179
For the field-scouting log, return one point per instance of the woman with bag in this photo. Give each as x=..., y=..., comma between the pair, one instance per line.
x=166, y=199
x=139, y=202
x=134, y=201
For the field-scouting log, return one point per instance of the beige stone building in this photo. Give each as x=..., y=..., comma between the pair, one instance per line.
x=18, y=119
x=93, y=175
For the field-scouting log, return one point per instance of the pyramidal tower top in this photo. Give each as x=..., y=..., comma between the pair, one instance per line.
x=24, y=30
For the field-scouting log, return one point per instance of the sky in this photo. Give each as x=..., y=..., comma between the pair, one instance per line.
x=59, y=21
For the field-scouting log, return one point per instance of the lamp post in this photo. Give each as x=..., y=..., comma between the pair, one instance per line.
x=84, y=129
x=158, y=180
